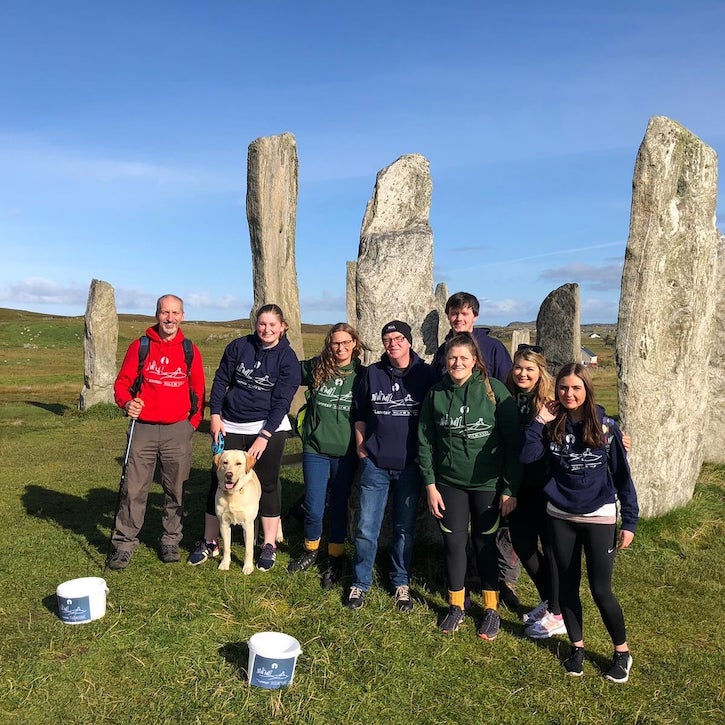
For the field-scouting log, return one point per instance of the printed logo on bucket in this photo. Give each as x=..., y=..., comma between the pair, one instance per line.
x=272, y=673
x=75, y=610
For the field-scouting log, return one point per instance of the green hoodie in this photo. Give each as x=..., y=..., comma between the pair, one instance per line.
x=327, y=427
x=467, y=442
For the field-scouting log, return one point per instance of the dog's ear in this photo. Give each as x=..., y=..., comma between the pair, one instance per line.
x=251, y=460
x=215, y=459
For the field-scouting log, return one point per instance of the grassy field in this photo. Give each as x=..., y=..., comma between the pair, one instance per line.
x=172, y=646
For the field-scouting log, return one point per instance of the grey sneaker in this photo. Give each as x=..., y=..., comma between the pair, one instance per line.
x=169, y=553
x=574, y=663
x=490, y=625
x=267, y=557
x=355, y=598
x=619, y=669
x=453, y=620
x=402, y=598
x=204, y=550
x=118, y=559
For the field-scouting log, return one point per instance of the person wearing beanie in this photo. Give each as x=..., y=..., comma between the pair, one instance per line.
x=386, y=403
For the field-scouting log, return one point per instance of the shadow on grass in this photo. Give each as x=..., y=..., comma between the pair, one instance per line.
x=55, y=408
x=237, y=655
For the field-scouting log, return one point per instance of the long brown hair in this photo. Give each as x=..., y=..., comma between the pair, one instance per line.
x=591, y=428
x=465, y=339
x=544, y=388
x=326, y=366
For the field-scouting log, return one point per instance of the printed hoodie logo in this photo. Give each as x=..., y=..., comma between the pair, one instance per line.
x=576, y=461
x=459, y=427
x=328, y=396
x=245, y=377
x=386, y=404
x=157, y=374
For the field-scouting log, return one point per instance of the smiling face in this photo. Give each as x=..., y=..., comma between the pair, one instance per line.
x=526, y=374
x=170, y=315
x=462, y=319
x=269, y=328
x=571, y=393
x=397, y=349
x=460, y=362
x=342, y=346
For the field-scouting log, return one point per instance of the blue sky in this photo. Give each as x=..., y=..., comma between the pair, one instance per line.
x=124, y=131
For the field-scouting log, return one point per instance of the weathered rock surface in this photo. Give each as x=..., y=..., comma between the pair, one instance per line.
x=519, y=337
x=100, y=342
x=558, y=330
x=351, y=273
x=395, y=260
x=670, y=288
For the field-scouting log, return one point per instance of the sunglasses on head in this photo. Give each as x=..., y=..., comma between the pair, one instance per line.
x=533, y=348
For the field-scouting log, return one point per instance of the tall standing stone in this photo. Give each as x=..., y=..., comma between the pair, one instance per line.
x=351, y=273
x=271, y=212
x=519, y=337
x=100, y=343
x=395, y=260
x=558, y=329
x=670, y=288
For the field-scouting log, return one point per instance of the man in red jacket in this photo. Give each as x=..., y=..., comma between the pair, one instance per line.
x=167, y=404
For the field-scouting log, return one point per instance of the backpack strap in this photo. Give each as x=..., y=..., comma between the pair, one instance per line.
x=143, y=352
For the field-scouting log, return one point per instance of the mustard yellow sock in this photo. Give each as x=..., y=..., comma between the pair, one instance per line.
x=490, y=600
x=335, y=549
x=458, y=598
x=312, y=545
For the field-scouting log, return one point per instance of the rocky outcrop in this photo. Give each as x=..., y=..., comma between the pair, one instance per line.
x=558, y=330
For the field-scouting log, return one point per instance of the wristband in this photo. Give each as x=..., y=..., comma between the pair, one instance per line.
x=265, y=435
x=539, y=419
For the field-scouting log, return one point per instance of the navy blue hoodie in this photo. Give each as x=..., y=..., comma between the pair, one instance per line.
x=495, y=355
x=388, y=401
x=252, y=383
x=581, y=481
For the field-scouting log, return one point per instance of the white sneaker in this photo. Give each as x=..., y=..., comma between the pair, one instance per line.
x=549, y=625
x=536, y=613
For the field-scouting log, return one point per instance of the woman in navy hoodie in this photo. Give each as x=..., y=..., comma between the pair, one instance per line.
x=589, y=474
x=251, y=394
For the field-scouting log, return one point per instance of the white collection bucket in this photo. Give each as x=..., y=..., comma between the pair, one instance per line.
x=272, y=659
x=82, y=600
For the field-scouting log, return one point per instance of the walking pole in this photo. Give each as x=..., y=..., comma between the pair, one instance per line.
x=121, y=483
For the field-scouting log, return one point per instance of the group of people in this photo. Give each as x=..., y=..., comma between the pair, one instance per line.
x=497, y=446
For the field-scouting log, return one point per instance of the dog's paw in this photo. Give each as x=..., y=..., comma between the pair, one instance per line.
x=224, y=565
x=248, y=568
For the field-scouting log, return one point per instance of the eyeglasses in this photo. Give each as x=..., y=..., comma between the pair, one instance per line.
x=533, y=348
x=387, y=342
x=341, y=343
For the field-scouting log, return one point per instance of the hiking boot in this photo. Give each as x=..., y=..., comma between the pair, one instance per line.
x=508, y=596
x=334, y=571
x=267, y=557
x=402, y=598
x=549, y=625
x=574, y=663
x=118, y=559
x=619, y=669
x=304, y=561
x=204, y=550
x=490, y=625
x=355, y=598
x=541, y=609
x=169, y=553
x=453, y=620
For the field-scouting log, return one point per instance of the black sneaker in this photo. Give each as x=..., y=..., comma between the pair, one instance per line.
x=304, y=561
x=508, y=596
x=267, y=557
x=355, y=598
x=574, y=663
x=490, y=625
x=334, y=571
x=619, y=669
x=453, y=620
x=169, y=553
x=403, y=602
x=118, y=559
x=204, y=550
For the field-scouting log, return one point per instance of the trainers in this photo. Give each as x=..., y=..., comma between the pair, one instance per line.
x=536, y=613
x=118, y=559
x=574, y=663
x=204, y=550
x=355, y=598
x=267, y=557
x=490, y=625
x=169, y=553
x=333, y=573
x=549, y=625
x=304, y=561
x=508, y=596
x=619, y=670
x=402, y=598
x=453, y=620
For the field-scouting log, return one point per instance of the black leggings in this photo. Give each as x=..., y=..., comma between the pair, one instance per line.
x=266, y=468
x=482, y=508
x=599, y=542
x=528, y=525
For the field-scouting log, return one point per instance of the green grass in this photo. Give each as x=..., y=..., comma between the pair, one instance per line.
x=172, y=646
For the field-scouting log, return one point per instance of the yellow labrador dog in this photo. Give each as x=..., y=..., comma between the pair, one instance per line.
x=237, y=502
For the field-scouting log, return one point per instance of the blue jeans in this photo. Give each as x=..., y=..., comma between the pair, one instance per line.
x=327, y=479
x=405, y=486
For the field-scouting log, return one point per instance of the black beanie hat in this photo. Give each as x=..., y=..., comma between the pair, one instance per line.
x=397, y=326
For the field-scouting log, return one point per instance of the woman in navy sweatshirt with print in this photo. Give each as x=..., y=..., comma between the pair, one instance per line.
x=589, y=474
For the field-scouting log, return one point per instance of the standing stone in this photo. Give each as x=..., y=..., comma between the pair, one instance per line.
x=558, y=330
x=351, y=270
x=271, y=213
x=395, y=260
x=670, y=288
x=714, y=450
x=100, y=343
x=519, y=337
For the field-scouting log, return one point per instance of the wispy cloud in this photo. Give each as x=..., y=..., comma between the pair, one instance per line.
x=600, y=278
x=41, y=291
